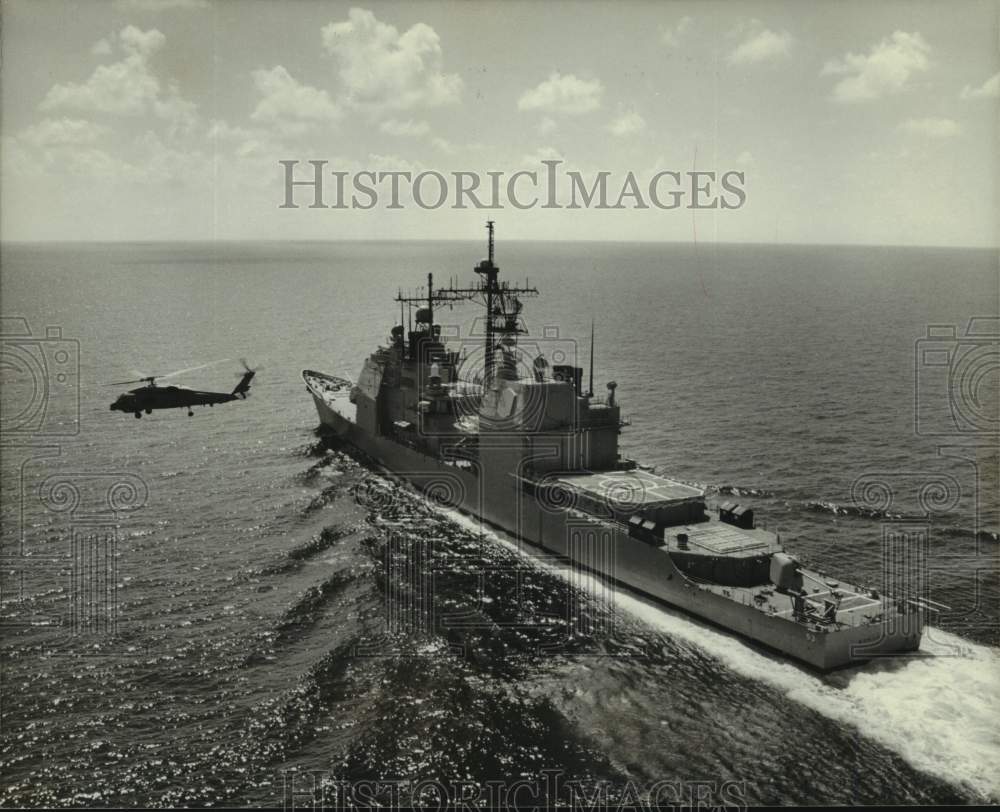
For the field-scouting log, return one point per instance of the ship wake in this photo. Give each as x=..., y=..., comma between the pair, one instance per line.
x=937, y=710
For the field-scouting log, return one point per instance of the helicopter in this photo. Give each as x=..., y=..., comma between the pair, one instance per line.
x=149, y=397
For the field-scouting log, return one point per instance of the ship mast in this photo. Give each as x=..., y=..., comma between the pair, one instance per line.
x=590, y=393
x=489, y=272
x=500, y=301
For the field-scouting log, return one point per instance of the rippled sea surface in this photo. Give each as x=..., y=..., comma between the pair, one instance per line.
x=197, y=608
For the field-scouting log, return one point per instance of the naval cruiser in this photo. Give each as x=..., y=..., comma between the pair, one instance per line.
x=518, y=443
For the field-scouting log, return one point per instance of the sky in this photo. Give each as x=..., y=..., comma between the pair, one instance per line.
x=851, y=122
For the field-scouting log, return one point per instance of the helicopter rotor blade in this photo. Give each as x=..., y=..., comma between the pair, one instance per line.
x=190, y=369
x=144, y=378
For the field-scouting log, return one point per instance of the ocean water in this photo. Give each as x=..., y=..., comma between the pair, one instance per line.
x=199, y=609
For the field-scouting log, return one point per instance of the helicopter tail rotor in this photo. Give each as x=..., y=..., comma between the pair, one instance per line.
x=243, y=387
x=248, y=368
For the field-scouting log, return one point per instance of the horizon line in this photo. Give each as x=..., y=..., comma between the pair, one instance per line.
x=209, y=241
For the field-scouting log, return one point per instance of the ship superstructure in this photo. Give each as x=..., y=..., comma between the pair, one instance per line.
x=503, y=433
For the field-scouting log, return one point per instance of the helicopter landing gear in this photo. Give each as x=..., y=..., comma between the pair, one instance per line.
x=149, y=411
x=138, y=415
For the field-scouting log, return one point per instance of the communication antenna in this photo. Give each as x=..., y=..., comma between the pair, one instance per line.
x=591, y=392
x=430, y=305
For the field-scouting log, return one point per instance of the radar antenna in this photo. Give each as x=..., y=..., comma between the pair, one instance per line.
x=500, y=300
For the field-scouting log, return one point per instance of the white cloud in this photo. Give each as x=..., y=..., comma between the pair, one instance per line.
x=101, y=48
x=161, y=163
x=127, y=87
x=628, y=123
x=990, y=89
x=96, y=164
x=135, y=41
x=381, y=69
x=885, y=69
x=535, y=159
x=563, y=94
x=152, y=160
x=159, y=5
x=547, y=125
x=287, y=102
x=62, y=131
x=393, y=163
x=181, y=113
x=244, y=142
x=222, y=130
x=932, y=127
x=19, y=160
x=405, y=129
x=759, y=44
x=444, y=145
x=672, y=36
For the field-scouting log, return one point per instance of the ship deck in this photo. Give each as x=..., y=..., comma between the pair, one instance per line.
x=335, y=392
x=639, y=488
x=718, y=538
x=858, y=607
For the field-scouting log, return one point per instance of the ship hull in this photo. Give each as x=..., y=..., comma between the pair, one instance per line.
x=607, y=550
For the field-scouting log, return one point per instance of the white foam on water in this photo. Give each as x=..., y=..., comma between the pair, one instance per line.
x=940, y=713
